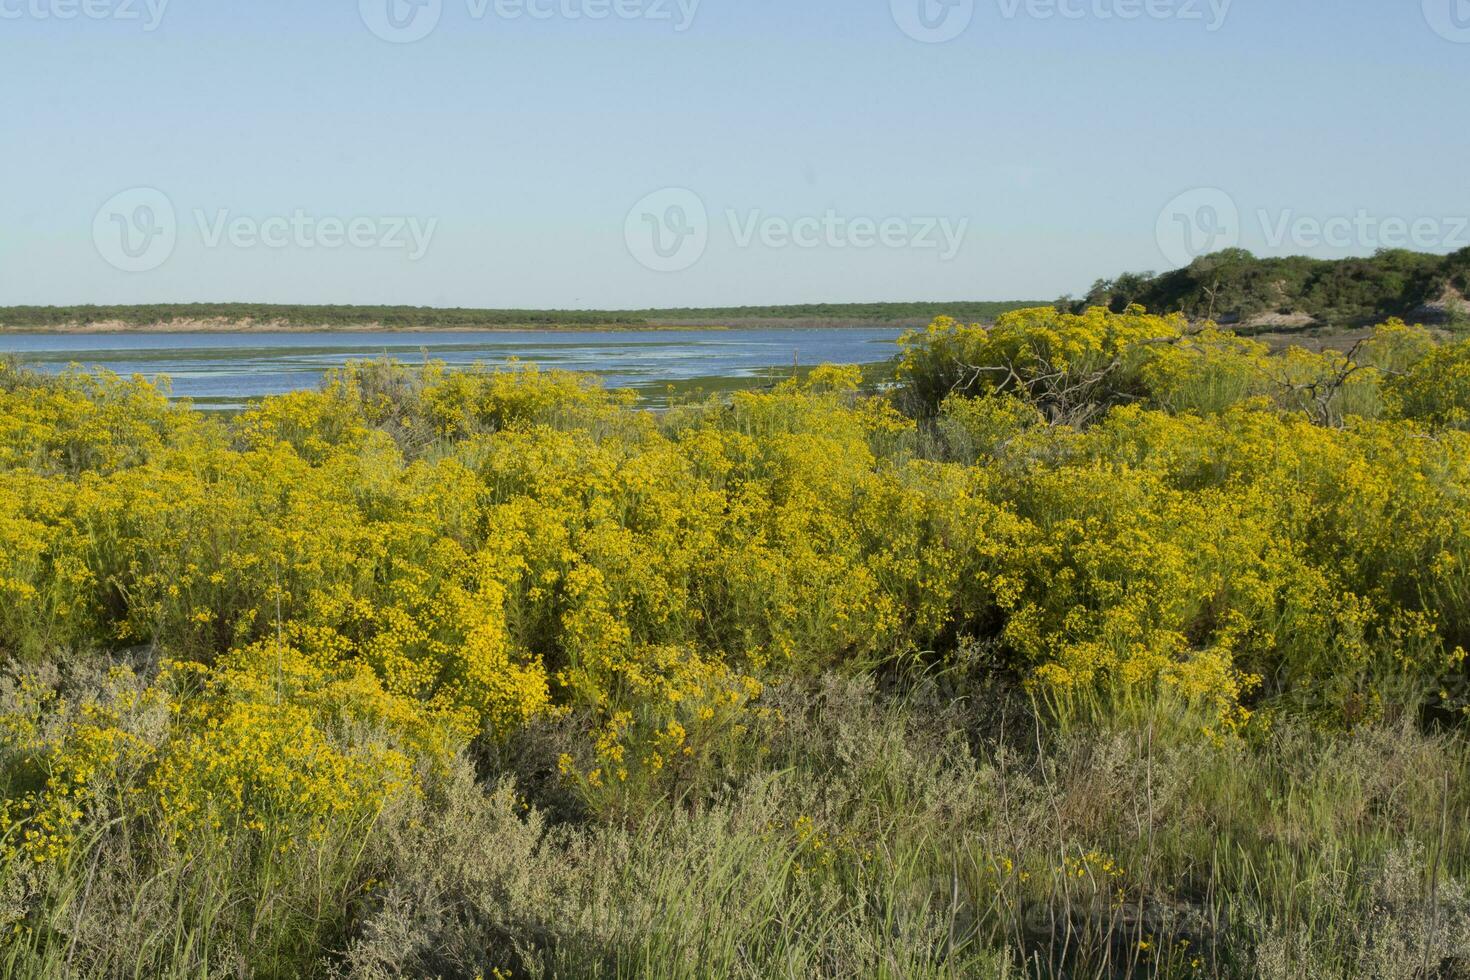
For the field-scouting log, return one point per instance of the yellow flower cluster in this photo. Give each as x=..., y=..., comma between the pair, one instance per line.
x=281, y=742
x=60, y=760
x=1093, y=865
x=1058, y=359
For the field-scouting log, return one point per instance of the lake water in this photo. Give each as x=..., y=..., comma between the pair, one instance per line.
x=225, y=370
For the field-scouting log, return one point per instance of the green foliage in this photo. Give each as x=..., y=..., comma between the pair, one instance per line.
x=1235, y=286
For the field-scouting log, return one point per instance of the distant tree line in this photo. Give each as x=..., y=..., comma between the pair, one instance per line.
x=1230, y=287
x=411, y=317
x=1234, y=286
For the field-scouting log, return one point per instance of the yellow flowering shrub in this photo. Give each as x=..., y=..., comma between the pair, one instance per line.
x=1434, y=389
x=355, y=583
x=202, y=551
x=61, y=759
x=83, y=421
x=1061, y=361
x=422, y=405
x=313, y=423
x=48, y=588
x=681, y=724
x=437, y=633
x=1208, y=371
x=287, y=743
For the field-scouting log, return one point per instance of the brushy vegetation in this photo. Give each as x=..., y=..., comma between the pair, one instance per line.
x=1097, y=646
x=264, y=315
x=1235, y=286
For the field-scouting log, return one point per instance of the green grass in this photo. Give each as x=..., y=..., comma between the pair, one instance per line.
x=893, y=835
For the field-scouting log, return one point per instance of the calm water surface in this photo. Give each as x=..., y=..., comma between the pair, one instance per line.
x=230, y=369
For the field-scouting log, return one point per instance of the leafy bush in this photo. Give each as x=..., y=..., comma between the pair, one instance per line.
x=1235, y=286
x=1069, y=366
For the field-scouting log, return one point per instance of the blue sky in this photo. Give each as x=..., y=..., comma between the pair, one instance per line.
x=501, y=160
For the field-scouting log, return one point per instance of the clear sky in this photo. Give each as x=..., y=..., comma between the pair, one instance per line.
x=794, y=150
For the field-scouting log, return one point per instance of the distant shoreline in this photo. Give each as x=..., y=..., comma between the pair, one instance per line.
x=252, y=329
x=230, y=318
x=109, y=330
